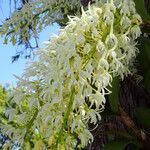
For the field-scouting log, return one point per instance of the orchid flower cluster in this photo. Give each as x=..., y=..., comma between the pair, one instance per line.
x=28, y=21
x=64, y=89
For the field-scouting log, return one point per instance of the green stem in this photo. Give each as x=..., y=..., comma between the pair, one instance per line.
x=69, y=109
x=89, y=56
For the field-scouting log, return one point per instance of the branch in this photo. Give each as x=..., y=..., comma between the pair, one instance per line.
x=139, y=133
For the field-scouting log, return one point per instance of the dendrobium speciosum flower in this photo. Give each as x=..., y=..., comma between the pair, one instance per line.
x=64, y=90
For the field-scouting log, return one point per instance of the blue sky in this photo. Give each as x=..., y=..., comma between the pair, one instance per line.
x=7, y=69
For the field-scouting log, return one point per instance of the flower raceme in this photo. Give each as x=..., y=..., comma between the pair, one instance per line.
x=64, y=90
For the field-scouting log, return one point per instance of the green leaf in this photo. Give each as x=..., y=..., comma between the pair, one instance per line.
x=144, y=55
x=5, y=41
x=117, y=145
x=147, y=5
x=121, y=144
x=13, y=40
x=147, y=80
x=144, y=61
x=147, y=47
x=71, y=61
x=140, y=6
x=114, y=96
x=142, y=114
